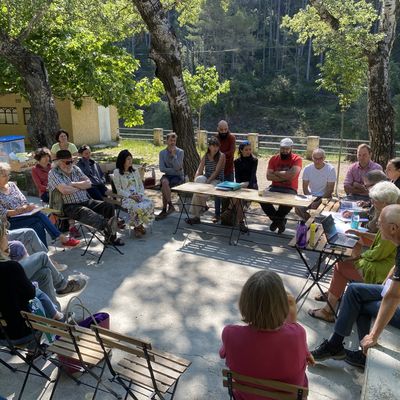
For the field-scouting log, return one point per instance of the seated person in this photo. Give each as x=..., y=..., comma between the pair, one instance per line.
x=245, y=174
x=271, y=333
x=362, y=302
x=63, y=144
x=318, y=180
x=393, y=171
x=40, y=172
x=93, y=171
x=353, y=182
x=13, y=205
x=171, y=164
x=129, y=185
x=212, y=166
x=283, y=170
x=72, y=183
x=372, y=265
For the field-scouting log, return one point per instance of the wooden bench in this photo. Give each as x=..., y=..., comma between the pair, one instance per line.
x=141, y=366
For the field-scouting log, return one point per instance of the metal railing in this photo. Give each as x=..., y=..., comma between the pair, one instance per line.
x=266, y=142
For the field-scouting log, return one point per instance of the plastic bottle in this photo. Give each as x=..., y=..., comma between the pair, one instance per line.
x=313, y=228
x=355, y=220
x=301, y=235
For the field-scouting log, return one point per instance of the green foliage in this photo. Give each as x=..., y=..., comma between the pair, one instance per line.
x=204, y=87
x=345, y=49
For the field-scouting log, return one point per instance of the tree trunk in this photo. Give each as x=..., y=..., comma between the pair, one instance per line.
x=380, y=109
x=165, y=51
x=44, y=118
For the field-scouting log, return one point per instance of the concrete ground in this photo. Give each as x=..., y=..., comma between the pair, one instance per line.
x=179, y=291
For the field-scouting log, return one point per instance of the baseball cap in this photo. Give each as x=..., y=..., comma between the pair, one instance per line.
x=287, y=142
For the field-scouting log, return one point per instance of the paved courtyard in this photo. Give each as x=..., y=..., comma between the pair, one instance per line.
x=179, y=291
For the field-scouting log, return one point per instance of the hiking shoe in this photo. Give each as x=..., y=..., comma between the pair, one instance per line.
x=355, y=358
x=73, y=285
x=74, y=232
x=71, y=242
x=274, y=226
x=325, y=351
x=163, y=214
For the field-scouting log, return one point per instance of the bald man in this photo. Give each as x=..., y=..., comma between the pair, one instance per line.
x=362, y=302
x=227, y=145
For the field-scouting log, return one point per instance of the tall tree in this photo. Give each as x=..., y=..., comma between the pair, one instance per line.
x=166, y=53
x=355, y=53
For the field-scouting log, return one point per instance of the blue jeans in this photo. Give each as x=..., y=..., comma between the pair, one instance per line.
x=229, y=178
x=39, y=222
x=360, y=304
x=49, y=308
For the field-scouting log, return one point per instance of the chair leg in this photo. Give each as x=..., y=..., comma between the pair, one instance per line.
x=11, y=368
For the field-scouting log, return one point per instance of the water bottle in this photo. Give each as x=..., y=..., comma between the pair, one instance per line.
x=355, y=220
x=301, y=235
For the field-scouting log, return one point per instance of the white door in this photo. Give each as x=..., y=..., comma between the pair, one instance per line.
x=104, y=124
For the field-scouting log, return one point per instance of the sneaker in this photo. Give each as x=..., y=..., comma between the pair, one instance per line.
x=71, y=242
x=355, y=358
x=163, y=214
x=324, y=352
x=73, y=285
x=74, y=232
x=61, y=267
x=171, y=209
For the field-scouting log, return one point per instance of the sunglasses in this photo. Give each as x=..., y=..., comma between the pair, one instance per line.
x=68, y=162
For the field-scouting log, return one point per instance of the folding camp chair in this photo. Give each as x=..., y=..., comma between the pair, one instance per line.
x=71, y=347
x=142, y=369
x=21, y=351
x=261, y=387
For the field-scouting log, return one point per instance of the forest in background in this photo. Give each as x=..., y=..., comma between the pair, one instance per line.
x=272, y=78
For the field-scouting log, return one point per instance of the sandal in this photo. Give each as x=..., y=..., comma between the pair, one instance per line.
x=326, y=316
x=192, y=221
x=322, y=297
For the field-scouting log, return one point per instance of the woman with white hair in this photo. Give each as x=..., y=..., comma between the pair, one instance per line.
x=371, y=266
x=15, y=207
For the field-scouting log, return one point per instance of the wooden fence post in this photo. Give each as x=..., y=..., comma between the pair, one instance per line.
x=201, y=139
x=158, y=136
x=312, y=144
x=253, y=139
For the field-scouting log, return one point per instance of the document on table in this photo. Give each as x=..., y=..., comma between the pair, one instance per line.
x=26, y=214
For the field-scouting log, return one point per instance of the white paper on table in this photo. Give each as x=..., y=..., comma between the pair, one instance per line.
x=386, y=287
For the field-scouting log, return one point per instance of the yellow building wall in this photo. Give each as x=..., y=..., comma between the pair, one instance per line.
x=82, y=124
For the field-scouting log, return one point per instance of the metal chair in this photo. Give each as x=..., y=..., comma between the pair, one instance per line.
x=261, y=387
x=142, y=368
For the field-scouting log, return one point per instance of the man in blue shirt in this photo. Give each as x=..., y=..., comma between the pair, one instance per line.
x=171, y=163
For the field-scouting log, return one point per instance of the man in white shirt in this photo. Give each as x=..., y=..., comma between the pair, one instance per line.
x=318, y=180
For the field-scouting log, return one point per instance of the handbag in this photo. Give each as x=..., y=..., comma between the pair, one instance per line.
x=102, y=319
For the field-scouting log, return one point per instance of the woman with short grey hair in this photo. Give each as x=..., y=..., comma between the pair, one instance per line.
x=371, y=266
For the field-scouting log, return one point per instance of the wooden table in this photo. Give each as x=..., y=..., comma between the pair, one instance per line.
x=328, y=255
x=244, y=194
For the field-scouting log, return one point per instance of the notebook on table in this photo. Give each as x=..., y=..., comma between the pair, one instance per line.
x=226, y=185
x=334, y=237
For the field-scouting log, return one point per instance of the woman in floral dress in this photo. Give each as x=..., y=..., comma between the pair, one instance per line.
x=129, y=185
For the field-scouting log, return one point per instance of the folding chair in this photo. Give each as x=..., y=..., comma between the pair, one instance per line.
x=262, y=387
x=78, y=348
x=142, y=368
x=20, y=351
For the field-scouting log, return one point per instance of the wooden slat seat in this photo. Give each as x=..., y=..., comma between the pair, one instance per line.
x=154, y=370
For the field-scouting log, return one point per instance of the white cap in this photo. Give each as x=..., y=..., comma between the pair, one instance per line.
x=287, y=142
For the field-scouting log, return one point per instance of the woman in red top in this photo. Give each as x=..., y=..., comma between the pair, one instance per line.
x=272, y=345
x=40, y=172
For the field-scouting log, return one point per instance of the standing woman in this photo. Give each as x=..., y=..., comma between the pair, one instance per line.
x=211, y=170
x=129, y=185
x=13, y=205
x=393, y=171
x=40, y=172
x=63, y=144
